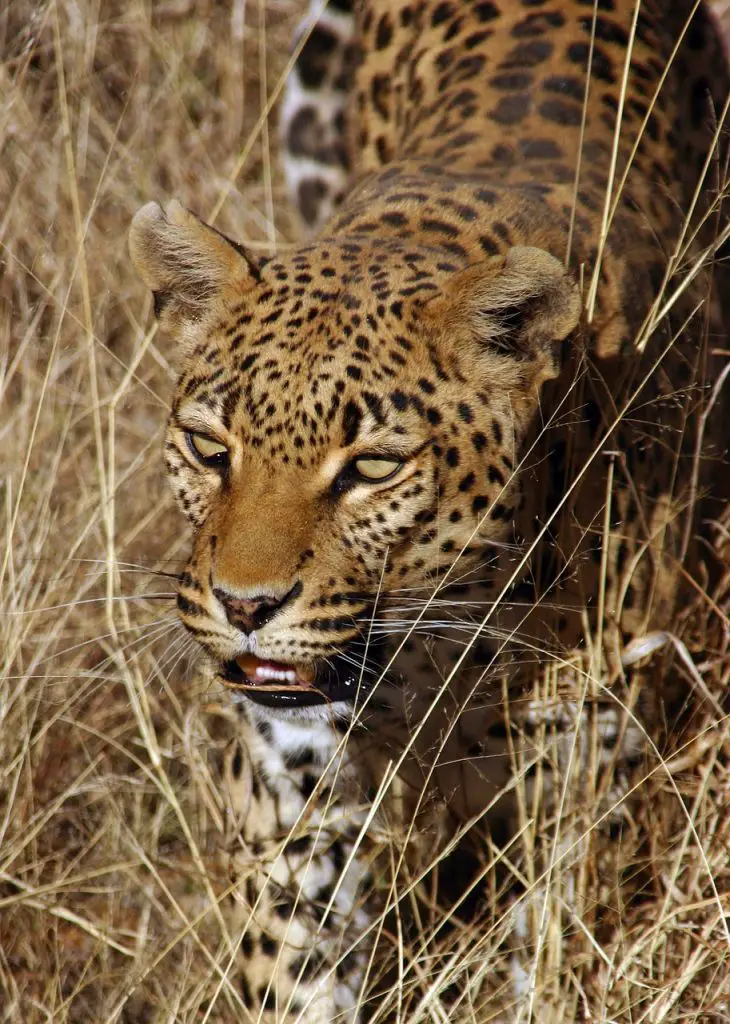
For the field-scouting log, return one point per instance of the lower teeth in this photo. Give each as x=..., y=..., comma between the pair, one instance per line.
x=263, y=677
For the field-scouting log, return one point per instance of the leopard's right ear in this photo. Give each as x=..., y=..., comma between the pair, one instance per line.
x=188, y=266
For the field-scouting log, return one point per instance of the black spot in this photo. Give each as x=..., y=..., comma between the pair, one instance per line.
x=537, y=24
x=465, y=412
x=310, y=194
x=502, y=154
x=187, y=607
x=299, y=845
x=246, y=995
x=266, y=997
x=511, y=80
x=601, y=65
x=486, y=10
x=380, y=89
x=467, y=482
x=606, y=30
x=313, y=61
x=351, y=419
x=384, y=32
x=476, y=39
x=467, y=67
x=566, y=85
x=511, y=109
x=479, y=440
x=237, y=763
x=265, y=730
x=394, y=219
x=528, y=55
x=375, y=406
x=299, y=758
x=561, y=113
x=540, y=149
x=442, y=12
x=307, y=966
x=384, y=149
x=338, y=856
x=439, y=226
x=304, y=136
x=444, y=60
x=453, y=30
x=488, y=244
x=308, y=785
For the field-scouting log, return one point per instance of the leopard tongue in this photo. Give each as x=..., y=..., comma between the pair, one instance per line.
x=274, y=675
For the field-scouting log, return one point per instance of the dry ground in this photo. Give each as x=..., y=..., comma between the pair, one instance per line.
x=110, y=806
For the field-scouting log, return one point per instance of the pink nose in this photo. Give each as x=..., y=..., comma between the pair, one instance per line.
x=249, y=613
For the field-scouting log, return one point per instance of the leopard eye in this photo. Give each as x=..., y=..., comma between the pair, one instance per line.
x=376, y=470
x=206, y=450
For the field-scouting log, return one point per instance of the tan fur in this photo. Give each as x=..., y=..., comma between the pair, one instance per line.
x=183, y=260
x=548, y=460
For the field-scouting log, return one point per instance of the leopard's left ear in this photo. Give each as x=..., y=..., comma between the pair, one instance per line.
x=185, y=263
x=518, y=305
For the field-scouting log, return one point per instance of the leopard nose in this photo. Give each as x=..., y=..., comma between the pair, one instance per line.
x=249, y=613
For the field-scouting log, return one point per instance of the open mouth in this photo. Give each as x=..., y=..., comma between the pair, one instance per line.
x=278, y=685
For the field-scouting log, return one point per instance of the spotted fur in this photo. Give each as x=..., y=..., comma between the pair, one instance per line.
x=301, y=866
x=313, y=111
x=542, y=383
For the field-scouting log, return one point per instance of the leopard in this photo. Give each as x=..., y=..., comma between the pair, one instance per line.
x=464, y=429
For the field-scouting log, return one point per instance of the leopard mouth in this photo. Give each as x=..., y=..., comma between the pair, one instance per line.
x=279, y=685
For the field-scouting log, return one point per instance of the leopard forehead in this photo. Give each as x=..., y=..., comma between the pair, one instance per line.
x=338, y=345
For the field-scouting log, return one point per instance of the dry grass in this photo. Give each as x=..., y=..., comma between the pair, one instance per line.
x=110, y=807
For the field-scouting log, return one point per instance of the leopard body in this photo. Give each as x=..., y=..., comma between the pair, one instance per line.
x=510, y=297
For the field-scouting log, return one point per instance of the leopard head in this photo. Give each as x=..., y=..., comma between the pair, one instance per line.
x=347, y=424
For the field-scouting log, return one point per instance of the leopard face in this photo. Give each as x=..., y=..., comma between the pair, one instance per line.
x=346, y=423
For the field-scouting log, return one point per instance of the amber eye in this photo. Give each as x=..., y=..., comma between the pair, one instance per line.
x=206, y=450
x=376, y=470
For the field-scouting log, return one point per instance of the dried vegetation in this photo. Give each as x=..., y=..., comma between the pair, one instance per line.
x=111, y=813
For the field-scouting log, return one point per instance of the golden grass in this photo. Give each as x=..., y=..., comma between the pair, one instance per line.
x=111, y=812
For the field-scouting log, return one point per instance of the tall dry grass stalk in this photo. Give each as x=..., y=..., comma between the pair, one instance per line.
x=111, y=812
